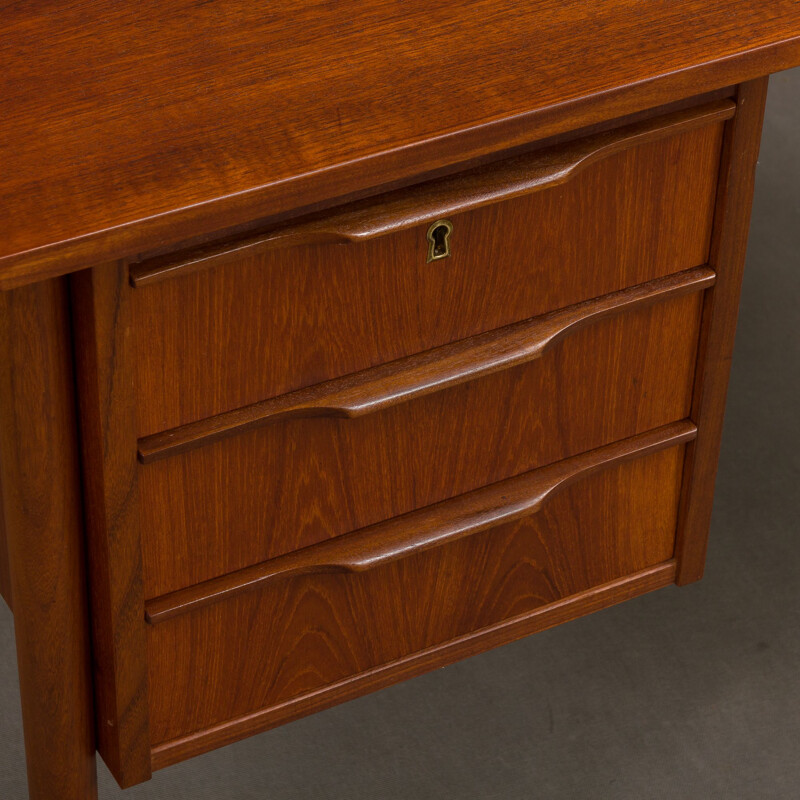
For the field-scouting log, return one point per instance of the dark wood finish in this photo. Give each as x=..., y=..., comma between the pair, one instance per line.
x=417, y=531
x=508, y=630
x=276, y=321
x=278, y=110
x=272, y=490
x=5, y=574
x=416, y=376
x=729, y=245
x=42, y=509
x=297, y=637
x=106, y=392
x=426, y=202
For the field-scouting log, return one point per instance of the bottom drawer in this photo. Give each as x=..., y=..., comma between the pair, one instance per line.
x=305, y=630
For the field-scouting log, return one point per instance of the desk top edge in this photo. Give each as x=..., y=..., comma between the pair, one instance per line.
x=80, y=197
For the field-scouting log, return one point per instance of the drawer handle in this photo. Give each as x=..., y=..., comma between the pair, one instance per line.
x=425, y=202
x=425, y=528
x=377, y=388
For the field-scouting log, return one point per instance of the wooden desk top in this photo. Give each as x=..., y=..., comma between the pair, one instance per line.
x=122, y=127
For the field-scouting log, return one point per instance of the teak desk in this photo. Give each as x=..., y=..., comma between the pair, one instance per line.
x=337, y=345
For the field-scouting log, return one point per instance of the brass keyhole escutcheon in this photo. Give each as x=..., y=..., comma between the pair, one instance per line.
x=439, y=239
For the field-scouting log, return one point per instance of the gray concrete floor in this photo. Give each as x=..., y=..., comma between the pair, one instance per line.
x=690, y=693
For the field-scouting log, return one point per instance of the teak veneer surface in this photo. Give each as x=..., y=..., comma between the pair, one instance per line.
x=43, y=522
x=396, y=382
x=5, y=575
x=418, y=531
x=101, y=319
x=275, y=321
x=728, y=249
x=130, y=127
x=529, y=622
x=549, y=164
x=270, y=491
x=288, y=639
x=197, y=164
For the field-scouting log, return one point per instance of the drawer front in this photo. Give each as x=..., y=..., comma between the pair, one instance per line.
x=270, y=321
x=300, y=636
x=292, y=483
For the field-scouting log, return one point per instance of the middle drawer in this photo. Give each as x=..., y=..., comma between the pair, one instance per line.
x=294, y=482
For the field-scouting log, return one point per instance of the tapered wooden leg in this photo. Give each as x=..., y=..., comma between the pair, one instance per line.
x=39, y=473
x=720, y=309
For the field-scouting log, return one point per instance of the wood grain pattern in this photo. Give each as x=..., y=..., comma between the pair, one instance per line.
x=428, y=493
x=416, y=376
x=281, y=320
x=39, y=468
x=508, y=630
x=278, y=488
x=426, y=202
x=418, y=531
x=105, y=389
x=720, y=313
x=313, y=631
x=5, y=574
x=282, y=107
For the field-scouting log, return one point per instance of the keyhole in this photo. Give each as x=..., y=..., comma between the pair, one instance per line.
x=439, y=239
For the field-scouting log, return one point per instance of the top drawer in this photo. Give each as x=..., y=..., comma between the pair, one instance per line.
x=354, y=289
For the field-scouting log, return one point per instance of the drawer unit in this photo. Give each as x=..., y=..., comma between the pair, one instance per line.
x=319, y=460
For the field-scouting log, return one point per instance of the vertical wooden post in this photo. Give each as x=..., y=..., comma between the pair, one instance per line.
x=5, y=575
x=720, y=309
x=104, y=371
x=42, y=508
